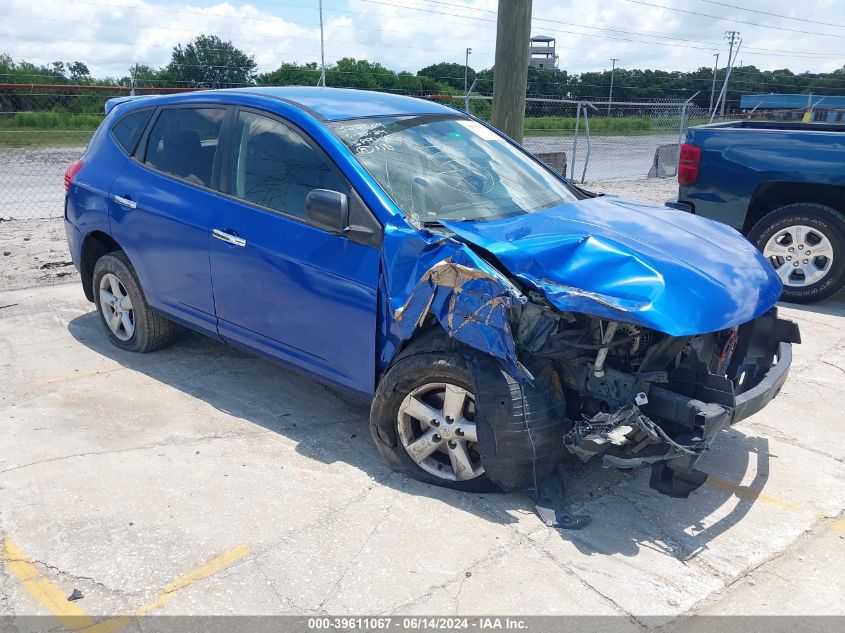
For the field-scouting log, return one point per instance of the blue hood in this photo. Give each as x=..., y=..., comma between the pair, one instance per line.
x=633, y=262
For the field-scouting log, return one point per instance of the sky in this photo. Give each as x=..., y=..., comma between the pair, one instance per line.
x=112, y=35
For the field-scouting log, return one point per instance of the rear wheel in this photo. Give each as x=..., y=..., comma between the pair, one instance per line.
x=805, y=243
x=127, y=318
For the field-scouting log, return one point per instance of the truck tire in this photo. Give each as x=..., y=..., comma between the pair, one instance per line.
x=129, y=321
x=513, y=436
x=805, y=243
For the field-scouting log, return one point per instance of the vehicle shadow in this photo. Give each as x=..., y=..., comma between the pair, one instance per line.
x=284, y=402
x=833, y=306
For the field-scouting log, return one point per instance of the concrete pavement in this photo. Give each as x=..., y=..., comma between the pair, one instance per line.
x=201, y=480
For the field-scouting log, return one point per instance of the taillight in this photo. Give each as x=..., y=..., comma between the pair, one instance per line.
x=688, y=163
x=71, y=172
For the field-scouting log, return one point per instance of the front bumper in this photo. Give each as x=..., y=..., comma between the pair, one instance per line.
x=704, y=404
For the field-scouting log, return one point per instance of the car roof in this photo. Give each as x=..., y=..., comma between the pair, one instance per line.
x=330, y=104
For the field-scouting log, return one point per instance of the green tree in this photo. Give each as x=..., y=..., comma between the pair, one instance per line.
x=78, y=71
x=209, y=62
x=448, y=73
x=291, y=74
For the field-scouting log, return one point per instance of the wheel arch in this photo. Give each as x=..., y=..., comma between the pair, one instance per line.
x=772, y=195
x=96, y=244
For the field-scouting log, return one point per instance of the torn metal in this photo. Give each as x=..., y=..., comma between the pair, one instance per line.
x=657, y=344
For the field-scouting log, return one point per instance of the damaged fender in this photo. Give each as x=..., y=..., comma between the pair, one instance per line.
x=469, y=298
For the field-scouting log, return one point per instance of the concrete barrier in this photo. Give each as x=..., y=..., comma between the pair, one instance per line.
x=555, y=160
x=665, y=163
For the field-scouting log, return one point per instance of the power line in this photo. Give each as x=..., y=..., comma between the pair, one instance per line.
x=774, y=15
x=718, y=17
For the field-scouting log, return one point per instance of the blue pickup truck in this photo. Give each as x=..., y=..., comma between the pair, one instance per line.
x=783, y=186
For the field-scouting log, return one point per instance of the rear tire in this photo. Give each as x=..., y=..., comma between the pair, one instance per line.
x=805, y=243
x=126, y=316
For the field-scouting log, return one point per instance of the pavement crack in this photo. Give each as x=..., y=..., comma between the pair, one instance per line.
x=834, y=365
x=331, y=592
x=77, y=578
x=585, y=583
x=144, y=447
x=278, y=593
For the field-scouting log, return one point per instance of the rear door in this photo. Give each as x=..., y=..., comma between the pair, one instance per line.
x=161, y=209
x=282, y=286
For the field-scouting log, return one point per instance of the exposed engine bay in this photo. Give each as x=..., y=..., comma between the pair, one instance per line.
x=637, y=396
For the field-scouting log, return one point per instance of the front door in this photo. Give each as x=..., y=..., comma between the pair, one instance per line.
x=282, y=286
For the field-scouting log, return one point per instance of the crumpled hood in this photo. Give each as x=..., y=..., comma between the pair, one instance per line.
x=633, y=262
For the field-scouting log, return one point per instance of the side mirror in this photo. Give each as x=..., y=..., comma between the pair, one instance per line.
x=328, y=210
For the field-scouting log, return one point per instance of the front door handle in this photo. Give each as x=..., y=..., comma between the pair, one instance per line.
x=234, y=240
x=123, y=201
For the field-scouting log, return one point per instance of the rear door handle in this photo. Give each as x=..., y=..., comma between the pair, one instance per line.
x=234, y=240
x=123, y=201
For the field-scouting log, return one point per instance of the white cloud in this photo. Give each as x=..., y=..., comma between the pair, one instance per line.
x=111, y=35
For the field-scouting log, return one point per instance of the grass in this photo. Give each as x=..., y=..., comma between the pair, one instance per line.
x=53, y=129
x=62, y=129
x=614, y=126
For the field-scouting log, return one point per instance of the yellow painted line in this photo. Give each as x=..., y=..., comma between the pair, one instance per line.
x=746, y=492
x=839, y=526
x=46, y=593
x=54, y=599
x=171, y=590
x=76, y=375
x=203, y=571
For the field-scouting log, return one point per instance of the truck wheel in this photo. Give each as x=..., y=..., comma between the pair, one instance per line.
x=423, y=422
x=129, y=322
x=805, y=243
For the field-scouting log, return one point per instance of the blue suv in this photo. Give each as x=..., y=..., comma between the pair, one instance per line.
x=497, y=316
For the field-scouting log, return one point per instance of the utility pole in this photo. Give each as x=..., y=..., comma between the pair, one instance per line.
x=322, y=80
x=466, y=70
x=134, y=80
x=713, y=89
x=732, y=35
x=510, y=79
x=610, y=95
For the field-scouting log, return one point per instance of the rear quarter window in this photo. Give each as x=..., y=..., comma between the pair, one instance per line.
x=128, y=130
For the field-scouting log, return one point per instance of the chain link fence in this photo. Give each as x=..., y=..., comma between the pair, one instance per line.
x=44, y=128
x=605, y=141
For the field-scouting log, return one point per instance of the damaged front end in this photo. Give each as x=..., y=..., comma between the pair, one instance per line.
x=637, y=396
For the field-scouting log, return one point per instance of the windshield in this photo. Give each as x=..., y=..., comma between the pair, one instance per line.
x=437, y=168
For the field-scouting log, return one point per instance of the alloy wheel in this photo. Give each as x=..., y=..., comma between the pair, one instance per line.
x=801, y=255
x=436, y=426
x=116, y=307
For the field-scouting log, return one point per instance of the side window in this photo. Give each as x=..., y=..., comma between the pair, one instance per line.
x=183, y=143
x=128, y=130
x=275, y=167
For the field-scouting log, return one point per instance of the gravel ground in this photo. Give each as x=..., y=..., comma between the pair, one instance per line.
x=32, y=181
x=617, y=157
x=34, y=253
x=657, y=190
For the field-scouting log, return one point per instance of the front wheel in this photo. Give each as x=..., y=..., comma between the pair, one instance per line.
x=455, y=418
x=423, y=422
x=805, y=243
